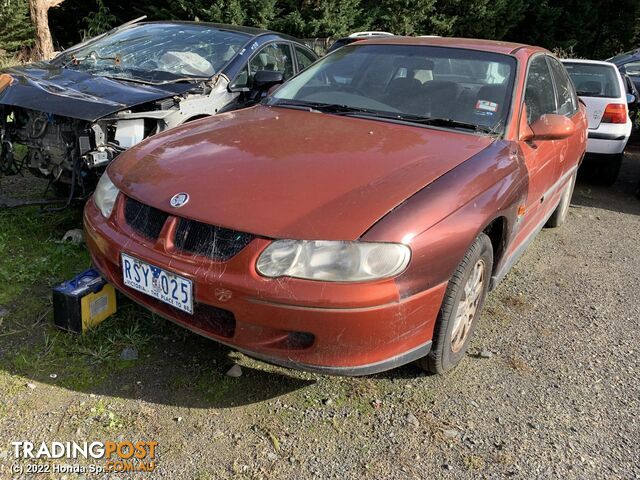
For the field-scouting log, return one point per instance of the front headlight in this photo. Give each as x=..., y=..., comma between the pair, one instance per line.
x=105, y=195
x=333, y=261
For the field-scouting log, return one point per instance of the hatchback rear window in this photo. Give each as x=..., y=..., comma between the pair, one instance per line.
x=593, y=80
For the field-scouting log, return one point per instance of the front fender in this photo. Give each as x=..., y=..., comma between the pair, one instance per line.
x=442, y=220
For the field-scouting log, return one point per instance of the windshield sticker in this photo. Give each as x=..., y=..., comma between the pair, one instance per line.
x=487, y=106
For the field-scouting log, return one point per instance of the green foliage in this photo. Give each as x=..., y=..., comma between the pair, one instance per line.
x=591, y=28
x=16, y=30
x=404, y=17
x=482, y=18
x=335, y=18
x=98, y=22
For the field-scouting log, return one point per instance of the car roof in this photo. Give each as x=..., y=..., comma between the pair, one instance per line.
x=590, y=62
x=625, y=56
x=453, y=42
x=249, y=31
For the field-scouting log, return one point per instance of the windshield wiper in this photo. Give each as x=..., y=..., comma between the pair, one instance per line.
x=151, y=82
x=323, y=107
x=185, y=80
x=346, y=110
x=448, y=122
x=128, y=79
x=339, y=109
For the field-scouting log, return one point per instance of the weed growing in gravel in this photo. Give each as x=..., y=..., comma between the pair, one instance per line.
x=474, y=462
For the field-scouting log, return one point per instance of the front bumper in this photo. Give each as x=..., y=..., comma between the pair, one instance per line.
x=343, y=329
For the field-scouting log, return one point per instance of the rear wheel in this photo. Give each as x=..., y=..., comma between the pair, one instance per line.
x=562, y=210
x=461, y=308
x=610, y=169
x=602, y=169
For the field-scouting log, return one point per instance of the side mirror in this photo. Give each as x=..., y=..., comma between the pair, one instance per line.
x=549, y=127
x=263, y=80
x=631, y=99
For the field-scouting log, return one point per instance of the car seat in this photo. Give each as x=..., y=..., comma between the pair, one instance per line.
x=401, y=94
x=441, y=97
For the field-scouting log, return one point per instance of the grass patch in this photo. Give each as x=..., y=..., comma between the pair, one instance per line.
x=81, y=362
x=33, y=258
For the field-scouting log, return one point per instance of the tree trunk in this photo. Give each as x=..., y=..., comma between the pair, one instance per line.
x=39, y=11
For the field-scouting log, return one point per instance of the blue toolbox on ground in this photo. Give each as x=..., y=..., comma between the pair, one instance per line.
x=83, y=302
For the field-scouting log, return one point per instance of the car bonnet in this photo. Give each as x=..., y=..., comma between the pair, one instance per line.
x=70, y=93
x=285, y=173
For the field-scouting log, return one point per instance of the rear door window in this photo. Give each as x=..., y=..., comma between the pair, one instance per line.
x=304, y=58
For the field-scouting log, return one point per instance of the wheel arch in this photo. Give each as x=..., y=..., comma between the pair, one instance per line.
x=496, y=230
x=441, y=221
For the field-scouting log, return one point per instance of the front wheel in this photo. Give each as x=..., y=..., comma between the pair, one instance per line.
x=461, y=307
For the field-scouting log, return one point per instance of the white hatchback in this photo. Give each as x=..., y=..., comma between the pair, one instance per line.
x=601, y=87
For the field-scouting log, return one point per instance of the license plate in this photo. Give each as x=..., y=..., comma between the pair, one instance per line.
x=156, y=282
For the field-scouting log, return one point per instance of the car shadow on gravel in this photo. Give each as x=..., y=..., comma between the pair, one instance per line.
x=194, y=376
x=620, y=197
x=164, y=364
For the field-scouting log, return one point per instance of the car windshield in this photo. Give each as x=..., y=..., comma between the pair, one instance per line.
x=594, y=80
x=446, y=87
x=157, y=52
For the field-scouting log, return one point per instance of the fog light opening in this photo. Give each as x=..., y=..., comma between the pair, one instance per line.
x=299, y=340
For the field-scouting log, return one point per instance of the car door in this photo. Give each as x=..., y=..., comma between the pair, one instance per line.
x=567, y=105
x=275, y=56
x=540, y=156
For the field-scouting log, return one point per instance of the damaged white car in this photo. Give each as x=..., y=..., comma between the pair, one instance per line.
x=74, y=114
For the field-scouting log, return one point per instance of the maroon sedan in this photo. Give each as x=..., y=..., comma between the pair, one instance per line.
x=357, y=218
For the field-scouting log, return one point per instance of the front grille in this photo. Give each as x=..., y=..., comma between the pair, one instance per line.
x=145, y=220
x=217, y=243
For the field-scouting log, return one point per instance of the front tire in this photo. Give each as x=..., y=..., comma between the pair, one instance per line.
x=461, y=308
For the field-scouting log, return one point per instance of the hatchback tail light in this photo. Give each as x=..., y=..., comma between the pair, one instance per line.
x=615, y=113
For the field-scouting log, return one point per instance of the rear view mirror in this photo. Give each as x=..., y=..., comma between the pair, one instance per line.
x=631, y=99
x=263, y=80
x=549, y=127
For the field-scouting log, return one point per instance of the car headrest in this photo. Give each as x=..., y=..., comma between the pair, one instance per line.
x=494, y=93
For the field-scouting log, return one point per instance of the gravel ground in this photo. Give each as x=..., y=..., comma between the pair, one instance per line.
x=549, y=388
